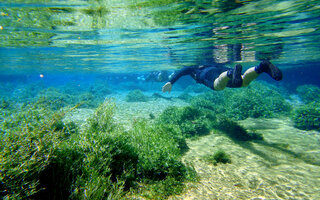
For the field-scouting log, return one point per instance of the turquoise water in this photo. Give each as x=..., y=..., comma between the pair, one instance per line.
x=130, y=36
x=69, y=56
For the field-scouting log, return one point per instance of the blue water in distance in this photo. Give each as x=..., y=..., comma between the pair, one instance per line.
x=69, y=40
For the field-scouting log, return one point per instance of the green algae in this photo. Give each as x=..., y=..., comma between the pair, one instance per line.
x=307, y=117
x=136, y=96
x=308, y=93
x=256, y=101
x=219, y=156
x=29, y=142
x=44, y=154
x=190, y=120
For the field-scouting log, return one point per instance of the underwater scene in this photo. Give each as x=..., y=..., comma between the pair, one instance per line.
x=159, y=99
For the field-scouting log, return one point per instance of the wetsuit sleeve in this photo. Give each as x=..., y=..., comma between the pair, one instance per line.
x=182, y=72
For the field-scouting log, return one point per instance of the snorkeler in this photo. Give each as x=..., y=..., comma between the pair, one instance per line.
x=219, y=77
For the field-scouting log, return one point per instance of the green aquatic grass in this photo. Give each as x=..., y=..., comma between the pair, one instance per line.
x=257, y=101
x=70, y=95
x=307, y=117
x=53, y=159
x=146, y=153
x=220, y=156
x=191, y=121
x=194, y=121
x=185, y=96
x=4, y=103
x=45, y=158
x=136, y=96
x=308, y=93
x=29, y=141
x=55, y=98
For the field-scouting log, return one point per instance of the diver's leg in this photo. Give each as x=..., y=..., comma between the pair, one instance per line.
x=221, y=82
x=249, y=76
x=231, y=78
x=265, y=66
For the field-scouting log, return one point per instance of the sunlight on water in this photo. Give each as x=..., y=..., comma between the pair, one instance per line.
x=128, y=35
x=86, y=110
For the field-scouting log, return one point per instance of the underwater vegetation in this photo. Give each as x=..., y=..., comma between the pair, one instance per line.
x=307, y=117
x=45, y=158
x=4, y=103
x=136, y=96
x=55, y=98
x=191, y=121
x=197, y=88
x=30, y=139
x=219, y=156
x=100, y=89
x=256, y=101
x=220, y=111
x=185, y=96
x=308, y=93
x=195, y=121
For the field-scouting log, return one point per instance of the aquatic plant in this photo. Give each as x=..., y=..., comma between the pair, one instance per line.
x=53, y=99
x=100, y=88
x=308, y=93
x=68, y=96
x=27, y=92
x=46, y=158
x=4, y=103
x=102, y=119
x=136, y=96
x=307, y=117
x=28, y=148
x=151, y=116
x=209, y=101
x=185, y=96
x=191, y=121
x=152, y=154
x=158, y=151
x=219, y=156
x=159, y=148
x=109, y=163
x=257, y=101
x=197, y=88
x=89, y=100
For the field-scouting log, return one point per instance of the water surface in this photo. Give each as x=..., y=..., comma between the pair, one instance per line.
x=129, y=36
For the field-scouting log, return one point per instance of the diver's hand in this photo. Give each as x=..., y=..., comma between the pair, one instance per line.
x=167, y=87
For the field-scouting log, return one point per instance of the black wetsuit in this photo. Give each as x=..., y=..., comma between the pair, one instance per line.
x=201, y=74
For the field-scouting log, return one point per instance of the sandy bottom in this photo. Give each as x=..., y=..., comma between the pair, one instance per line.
x=286, y=165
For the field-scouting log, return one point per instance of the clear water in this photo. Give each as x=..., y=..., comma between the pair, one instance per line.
x=92, y=49
x=43, y=36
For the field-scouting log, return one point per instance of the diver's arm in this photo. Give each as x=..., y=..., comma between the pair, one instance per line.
x=184, y=71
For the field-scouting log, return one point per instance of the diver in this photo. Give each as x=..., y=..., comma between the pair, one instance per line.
x=219, y=77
